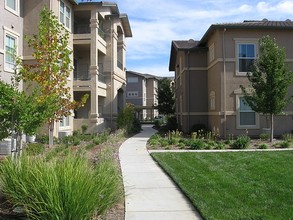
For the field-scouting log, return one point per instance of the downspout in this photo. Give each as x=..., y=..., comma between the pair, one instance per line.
x=188, y=72
x=224, y=84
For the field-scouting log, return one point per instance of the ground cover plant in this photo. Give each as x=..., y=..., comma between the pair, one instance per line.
x=68, y=181
x=208, y=140
x=234, y=185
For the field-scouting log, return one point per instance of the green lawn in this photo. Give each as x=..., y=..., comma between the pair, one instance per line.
x=234, y=185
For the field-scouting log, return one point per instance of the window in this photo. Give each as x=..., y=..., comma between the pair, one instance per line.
x=132, y=79
x=64, y=122
x=65, y=15
x=132, y=94
x=12, y=6
x=10, y=47
x=246, y=53
x=212, y=100
x=246, y=117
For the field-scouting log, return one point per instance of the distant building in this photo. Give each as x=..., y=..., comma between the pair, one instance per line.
x=141, y=90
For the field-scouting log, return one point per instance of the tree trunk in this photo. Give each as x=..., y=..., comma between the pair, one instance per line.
x=18, y=144
x=272, y=128
x=51, y=137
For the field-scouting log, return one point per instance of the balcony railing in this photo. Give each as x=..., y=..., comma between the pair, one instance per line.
x=82, y=29
x=81, y=75
x=102, y=78
x=101, y=33
x=119, y=64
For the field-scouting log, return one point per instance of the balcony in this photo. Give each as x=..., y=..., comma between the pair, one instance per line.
x=81, y=75
x=82, y=29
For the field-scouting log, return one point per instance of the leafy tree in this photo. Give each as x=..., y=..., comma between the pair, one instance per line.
x=127, y=120
x=19, y=113
x=51, y=69
x=166, y=99
x=269, y=80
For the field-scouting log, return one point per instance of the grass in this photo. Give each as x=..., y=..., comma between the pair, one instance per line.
x=234, y=185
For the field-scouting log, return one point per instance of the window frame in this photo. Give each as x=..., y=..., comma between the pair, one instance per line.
x=64, y=122
x=63, y=18
x=239, y=42
x=212, y=101
x=238, y=113
x=14, y=35
x=132, y=79
x=14, y=11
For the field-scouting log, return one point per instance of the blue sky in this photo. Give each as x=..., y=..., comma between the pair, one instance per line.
x=155, y=23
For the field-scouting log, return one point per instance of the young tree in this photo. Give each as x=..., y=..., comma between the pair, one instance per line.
x=166, y=99
x=269, y=81
x=51, y=69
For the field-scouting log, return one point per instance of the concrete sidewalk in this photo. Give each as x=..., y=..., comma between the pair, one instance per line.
x=149, y=193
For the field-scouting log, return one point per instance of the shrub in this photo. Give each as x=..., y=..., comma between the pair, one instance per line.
x=44, y=139
x=285, y=144
x=287, y=137
x=171, y=124
x=197, y=144
x=198, y=127
x=241, y=142
x=84, y=129
x=34, y=148
x=69, y=188
x=263, y=146
x=126, y=120
x=264, y=136
x=164, y=142
x=220, y=145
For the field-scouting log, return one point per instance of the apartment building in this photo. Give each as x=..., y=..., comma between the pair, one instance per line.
x=141, y=90
x=97, y=38
x=209, y=72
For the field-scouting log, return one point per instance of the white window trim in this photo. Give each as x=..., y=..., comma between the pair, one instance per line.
x=66, y=126
x=8, y=31
x=64, y=14
x=16, y=12
x=244, y=41
x=238, y=126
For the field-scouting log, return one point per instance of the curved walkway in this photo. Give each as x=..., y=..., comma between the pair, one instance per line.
x=149, y=193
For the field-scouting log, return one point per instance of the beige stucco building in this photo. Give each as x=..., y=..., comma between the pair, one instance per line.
x=141, y=91
x=209, y=72
x=97, y=38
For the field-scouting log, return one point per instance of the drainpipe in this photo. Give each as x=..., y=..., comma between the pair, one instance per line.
x=224, y=84
x=188, y=72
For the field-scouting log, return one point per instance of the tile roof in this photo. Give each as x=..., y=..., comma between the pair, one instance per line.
x=249, y=24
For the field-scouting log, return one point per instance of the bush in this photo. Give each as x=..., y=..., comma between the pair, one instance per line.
x=220, y=145
x=84, y=129
x=287, y=137
x=69, y=188
x=264, y=136
x=126, y=120
x=34, y=148
x=199, y=127
x=171, y=124
x=44, y=139
x=263, y=146
x=197, y=144
x=241, y=142
x=285, y=144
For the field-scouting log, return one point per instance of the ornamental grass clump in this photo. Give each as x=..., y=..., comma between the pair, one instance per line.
x=241, y=142
x=63, y=188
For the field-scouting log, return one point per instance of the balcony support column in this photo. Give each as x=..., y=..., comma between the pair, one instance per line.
x=94, y=70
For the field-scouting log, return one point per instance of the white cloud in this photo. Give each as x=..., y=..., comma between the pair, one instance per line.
x=156, y=23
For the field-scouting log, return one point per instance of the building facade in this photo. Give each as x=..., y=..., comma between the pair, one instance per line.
x=209, y=72
x=141, y=91
x=97, y=39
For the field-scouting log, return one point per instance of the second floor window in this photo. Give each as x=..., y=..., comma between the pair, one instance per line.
x=246, y=55
x=10, y=47
x=12, y=6
x=65, y=15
